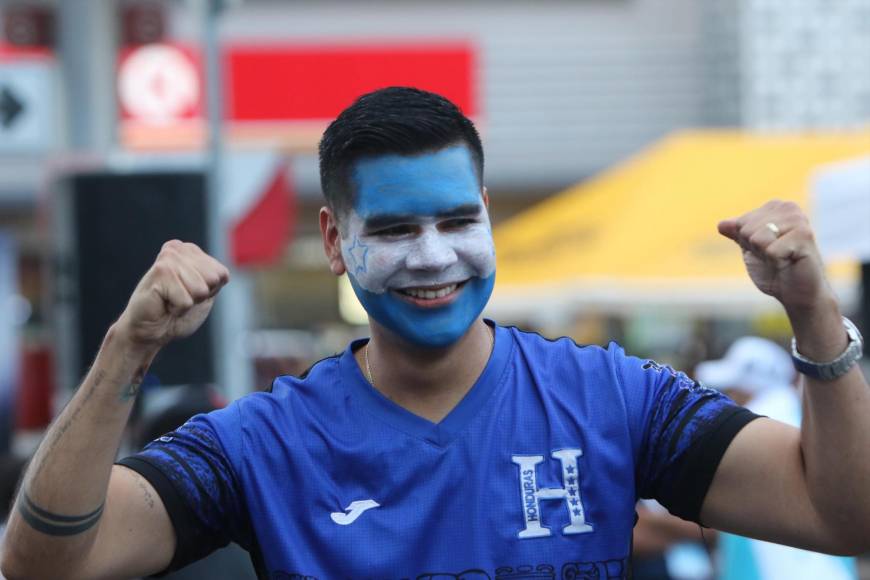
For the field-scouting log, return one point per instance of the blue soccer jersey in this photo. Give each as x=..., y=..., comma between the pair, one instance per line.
x=534, y=474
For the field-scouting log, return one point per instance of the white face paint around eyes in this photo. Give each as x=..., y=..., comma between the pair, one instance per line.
x=431, y=257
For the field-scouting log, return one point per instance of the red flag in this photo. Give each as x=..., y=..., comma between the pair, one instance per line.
x=259, y=237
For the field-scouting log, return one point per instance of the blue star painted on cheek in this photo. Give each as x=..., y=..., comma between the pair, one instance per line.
x=358, y=252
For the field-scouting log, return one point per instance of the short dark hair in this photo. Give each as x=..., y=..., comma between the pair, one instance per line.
x=393, y=120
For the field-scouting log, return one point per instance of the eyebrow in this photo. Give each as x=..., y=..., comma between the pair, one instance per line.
x=385, y=220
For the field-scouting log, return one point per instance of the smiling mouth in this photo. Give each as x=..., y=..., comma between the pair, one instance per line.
x=431, y=295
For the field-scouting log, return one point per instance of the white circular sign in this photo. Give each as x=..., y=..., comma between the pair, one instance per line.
x=158, y=84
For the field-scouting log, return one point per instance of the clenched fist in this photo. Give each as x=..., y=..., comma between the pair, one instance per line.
x=174, y=297
x=780, y=254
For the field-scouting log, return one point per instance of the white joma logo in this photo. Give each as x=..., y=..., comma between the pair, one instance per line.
x=354, y=510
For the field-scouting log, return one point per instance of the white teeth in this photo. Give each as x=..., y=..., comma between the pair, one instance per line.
x=430, y=294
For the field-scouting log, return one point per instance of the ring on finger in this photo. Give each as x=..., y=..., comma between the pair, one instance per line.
x=774, y=229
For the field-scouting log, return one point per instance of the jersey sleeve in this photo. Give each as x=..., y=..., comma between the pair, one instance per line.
x=193, y=473
x=682, y=431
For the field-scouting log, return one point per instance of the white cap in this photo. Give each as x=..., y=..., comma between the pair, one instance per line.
x=751, y=364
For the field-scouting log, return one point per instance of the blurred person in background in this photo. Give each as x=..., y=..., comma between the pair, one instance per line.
x=758, y=374
x=665, y=547
x=445, y=443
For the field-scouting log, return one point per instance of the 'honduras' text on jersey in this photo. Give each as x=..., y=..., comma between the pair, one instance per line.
x=534, y=474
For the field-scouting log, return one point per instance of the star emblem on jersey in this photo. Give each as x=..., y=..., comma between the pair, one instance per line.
x=353, y=511
x=358, y=252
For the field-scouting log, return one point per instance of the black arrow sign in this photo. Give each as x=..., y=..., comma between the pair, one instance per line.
x=10, y=107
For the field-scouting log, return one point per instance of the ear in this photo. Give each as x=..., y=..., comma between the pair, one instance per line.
x=331, y=241
x=485, y=197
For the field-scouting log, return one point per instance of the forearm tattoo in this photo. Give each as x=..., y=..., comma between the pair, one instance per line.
x=130, y=390
x=55, y=524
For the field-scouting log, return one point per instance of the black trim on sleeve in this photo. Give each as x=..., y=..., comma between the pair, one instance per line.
x=179, y=513
x=695, y=470
x=687, y=416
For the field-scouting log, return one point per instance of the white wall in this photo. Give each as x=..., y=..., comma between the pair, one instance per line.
x=568, y=87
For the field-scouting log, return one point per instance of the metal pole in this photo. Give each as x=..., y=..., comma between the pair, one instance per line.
x=232, y=312
x=214, y=186
x=214, y=105
x=87, y=49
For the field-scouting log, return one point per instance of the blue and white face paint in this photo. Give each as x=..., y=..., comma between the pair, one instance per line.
x=418, y=244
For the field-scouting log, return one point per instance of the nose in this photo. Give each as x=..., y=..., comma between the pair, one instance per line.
x=431, y=252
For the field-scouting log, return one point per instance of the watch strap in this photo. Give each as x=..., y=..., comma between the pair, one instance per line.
x=828, y=371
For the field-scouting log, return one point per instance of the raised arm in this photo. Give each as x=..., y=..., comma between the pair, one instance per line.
x=807, y=488
x=77, y=516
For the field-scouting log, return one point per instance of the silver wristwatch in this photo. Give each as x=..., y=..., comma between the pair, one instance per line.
x=837, y=367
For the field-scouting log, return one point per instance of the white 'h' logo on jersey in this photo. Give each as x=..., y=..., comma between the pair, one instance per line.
x=570, y=494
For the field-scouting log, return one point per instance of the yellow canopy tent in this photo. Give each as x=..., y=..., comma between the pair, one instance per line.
x=644, y=232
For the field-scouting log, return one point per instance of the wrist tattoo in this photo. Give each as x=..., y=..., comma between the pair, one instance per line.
x=55, y=524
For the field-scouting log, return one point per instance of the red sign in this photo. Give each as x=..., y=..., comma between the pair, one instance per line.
x=159, y=84
x=300, y=82
x=11, y=52
x=280, y=92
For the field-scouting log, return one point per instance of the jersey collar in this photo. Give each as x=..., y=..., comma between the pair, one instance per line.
x=439, y=434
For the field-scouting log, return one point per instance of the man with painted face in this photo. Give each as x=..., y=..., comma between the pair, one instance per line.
x=421, y=262
x=445, y=446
